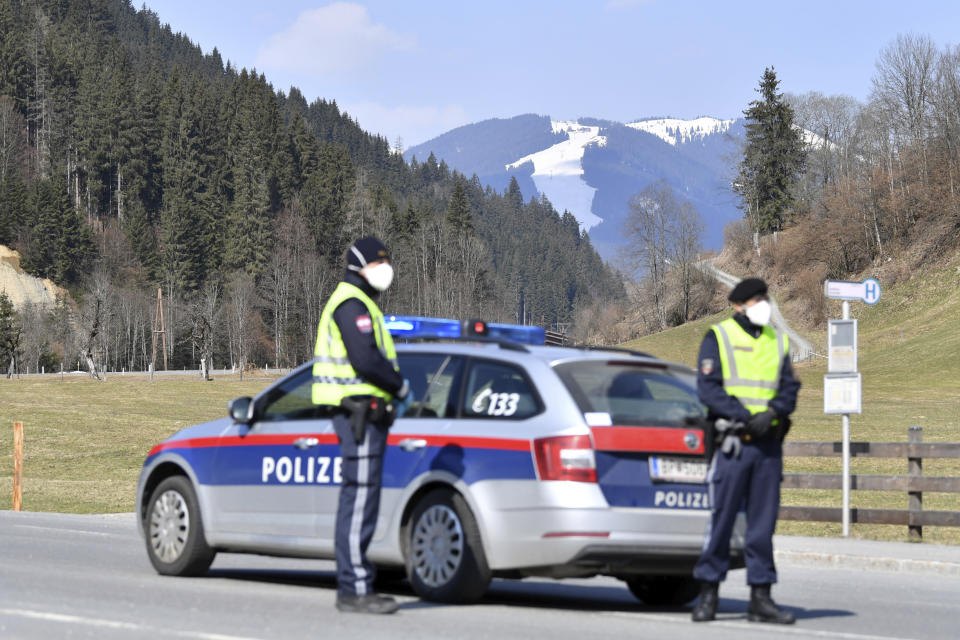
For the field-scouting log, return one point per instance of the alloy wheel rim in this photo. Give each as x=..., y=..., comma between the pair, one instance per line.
x=437, y=545
x=169, y=526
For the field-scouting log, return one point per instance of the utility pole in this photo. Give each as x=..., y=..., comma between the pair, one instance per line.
x=159, y=326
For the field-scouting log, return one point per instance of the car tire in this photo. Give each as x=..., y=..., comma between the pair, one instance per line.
x=663, y=591
x=442, y=549
x=173, y=530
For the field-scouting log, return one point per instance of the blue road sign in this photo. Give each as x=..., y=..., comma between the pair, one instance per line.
x=871, y=291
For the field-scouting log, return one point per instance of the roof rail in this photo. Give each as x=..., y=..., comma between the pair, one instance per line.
x=503, y=344
x=593, y=347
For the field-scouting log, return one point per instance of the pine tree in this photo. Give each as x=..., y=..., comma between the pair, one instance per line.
x=325, y=197
x=458, y=211
x=773, y=159
x=14, y=204
x=181, y=148
x=14, y=64
x=10, y=334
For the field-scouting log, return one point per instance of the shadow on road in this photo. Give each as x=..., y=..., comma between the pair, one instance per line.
x=537, y=594
x=322, y=579
x=514, y=593
x=732, y=609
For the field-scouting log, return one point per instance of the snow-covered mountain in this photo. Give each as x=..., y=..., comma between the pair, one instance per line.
x=558, y=170
x=681, y=132
x=593, y=167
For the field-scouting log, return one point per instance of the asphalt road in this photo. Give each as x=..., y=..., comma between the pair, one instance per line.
x=72, y=576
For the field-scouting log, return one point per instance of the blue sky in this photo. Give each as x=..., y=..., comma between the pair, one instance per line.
x=415, y=69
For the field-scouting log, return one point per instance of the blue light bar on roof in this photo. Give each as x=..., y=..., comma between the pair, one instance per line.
x=424, y=327
x=524, y=334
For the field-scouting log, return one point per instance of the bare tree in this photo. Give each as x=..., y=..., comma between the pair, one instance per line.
x=688, y=228
x=904, y=84
x=241, y=300
x=93, y=314
x=35, y=321
x=206, y=312
x=649, y=227
x=946, y=108
x=831, y=135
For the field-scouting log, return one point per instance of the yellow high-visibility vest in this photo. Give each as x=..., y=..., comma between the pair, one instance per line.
x=751, y=366
x=334, y=378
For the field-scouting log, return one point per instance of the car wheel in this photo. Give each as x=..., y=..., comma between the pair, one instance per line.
x=670, y=591
x=174, y=530
x=442, y=548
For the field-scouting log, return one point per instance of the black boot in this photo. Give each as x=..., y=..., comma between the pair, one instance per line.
x=764, y=609
x=706, y=608
x=370, y=603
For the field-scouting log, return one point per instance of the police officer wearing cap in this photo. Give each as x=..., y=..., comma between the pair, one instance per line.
x=355, y=371
x=745, y=378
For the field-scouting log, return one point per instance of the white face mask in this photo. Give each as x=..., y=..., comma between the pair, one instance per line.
x=759, y=313
x=379, y=275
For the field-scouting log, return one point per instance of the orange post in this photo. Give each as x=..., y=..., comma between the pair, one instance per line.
x=17, y=465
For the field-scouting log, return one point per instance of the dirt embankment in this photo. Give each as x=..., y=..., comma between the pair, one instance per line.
x=22, y=288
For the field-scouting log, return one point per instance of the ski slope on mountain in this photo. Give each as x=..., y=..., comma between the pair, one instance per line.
x=558, y=171
x=674, y=131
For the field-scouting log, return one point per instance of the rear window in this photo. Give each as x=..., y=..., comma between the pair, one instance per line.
x=631, y=393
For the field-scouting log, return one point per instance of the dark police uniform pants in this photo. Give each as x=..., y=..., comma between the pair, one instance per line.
x=359, y=504
x=751, y=481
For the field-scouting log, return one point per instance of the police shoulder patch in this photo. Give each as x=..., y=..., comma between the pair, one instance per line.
x=364, y=324
x=706, y=366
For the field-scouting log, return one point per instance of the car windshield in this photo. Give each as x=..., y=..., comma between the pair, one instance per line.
x=631, y=393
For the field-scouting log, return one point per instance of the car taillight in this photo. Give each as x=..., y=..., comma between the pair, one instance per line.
x=566, y=458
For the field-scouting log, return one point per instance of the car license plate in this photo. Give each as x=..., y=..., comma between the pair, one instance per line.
x=665, y=469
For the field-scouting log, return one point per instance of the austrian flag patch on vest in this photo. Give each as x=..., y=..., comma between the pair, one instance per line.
x=364, y=324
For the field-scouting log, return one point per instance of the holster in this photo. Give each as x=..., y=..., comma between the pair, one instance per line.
x=370, y=409
x=357, y=411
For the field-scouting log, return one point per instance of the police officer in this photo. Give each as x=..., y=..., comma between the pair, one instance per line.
x=355, y=370
x=745, y=377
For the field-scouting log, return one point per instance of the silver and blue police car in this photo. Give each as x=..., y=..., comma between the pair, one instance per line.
x=516, y=460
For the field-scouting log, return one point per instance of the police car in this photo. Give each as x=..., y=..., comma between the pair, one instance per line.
x=517, y=459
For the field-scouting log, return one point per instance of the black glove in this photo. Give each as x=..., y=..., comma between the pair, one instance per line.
x=760, y=424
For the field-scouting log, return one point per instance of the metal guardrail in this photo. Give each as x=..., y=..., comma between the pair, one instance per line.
x=914, y=483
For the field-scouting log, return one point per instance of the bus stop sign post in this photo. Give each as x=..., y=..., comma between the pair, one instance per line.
x=842, y=385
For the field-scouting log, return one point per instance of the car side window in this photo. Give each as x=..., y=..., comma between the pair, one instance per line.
x=291, y=399
x=500, y=391
x=435, y=383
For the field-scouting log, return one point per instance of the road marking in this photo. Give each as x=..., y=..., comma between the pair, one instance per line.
x=764, y=629
x=62, y=530
x=116, y=624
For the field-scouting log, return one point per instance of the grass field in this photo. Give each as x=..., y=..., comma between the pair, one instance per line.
x=910, y=361
x=85, y=441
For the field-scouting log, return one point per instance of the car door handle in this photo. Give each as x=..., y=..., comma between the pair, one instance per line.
x=306, y=443
x=412, y=444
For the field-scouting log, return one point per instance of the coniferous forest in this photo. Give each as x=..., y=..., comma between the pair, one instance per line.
x=132, y=161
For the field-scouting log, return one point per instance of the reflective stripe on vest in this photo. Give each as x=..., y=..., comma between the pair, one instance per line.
x=750, y=366
x=334, y=378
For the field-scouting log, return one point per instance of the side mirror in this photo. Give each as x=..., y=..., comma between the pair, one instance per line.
x=241, y=409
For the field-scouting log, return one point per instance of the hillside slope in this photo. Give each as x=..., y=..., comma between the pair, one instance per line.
x=909, y=356
x=21, y=287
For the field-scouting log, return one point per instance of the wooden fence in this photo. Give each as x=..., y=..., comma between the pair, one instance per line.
x=914, y=483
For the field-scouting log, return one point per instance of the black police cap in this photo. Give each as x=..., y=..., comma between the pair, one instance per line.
x=748, y=288
x=364, y=251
